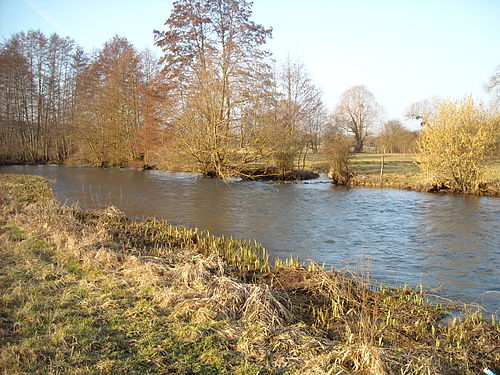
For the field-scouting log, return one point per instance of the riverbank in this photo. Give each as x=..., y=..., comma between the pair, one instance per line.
x=419, y=183
x=401, y=172
x=96, y=292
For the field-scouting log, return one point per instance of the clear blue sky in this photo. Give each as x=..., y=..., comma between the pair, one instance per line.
x=402, y=50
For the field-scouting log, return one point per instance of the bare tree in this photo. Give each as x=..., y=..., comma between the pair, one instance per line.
x=15, y=81
x=357, y=113
x=210, y=50
x=37, y=75
x=297, y=110
x=315, y=128
x=493, y=87
x=422, y=110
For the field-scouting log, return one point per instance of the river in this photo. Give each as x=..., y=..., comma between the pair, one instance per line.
x=445, y=242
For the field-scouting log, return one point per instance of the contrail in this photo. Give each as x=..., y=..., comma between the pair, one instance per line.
x=46, y=16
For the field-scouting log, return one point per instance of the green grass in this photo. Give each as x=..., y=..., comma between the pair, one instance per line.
x=60, y=315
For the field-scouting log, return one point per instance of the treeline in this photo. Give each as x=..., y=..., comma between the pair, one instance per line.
x=38, y=80
x=395, y=138
x=214, y=103
x=59, y=104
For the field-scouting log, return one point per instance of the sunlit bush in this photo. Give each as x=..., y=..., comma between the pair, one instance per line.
x=458, y=141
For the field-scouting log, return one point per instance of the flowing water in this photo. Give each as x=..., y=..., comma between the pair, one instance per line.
x=442, y=241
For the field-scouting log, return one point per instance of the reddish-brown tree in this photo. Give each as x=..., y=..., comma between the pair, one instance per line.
x=108, y=116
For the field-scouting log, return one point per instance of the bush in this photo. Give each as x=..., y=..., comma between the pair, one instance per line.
x=458, y=141
x=338, y=150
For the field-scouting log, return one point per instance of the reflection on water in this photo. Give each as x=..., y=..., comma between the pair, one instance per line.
x=443, y=241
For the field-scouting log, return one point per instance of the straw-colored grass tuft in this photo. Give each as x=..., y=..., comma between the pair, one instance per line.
x=227, y=296
x=264, y=305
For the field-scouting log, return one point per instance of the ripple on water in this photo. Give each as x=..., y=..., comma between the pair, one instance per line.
x=404, y=236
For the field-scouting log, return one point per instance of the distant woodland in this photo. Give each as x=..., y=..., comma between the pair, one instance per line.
x=214, y=101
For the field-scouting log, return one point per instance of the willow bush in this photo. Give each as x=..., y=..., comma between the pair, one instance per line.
x=458, y=141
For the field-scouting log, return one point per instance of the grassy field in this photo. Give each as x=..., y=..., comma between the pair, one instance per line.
x=93, y=292
x=402, y=164
x=365, y=163
x=400, y=171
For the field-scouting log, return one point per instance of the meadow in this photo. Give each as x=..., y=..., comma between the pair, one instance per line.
x=399, y=171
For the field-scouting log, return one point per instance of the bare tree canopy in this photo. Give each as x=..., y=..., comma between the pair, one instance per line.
x=296, y=120
x=493, y=87
x=211, y=52
x=422, y=110
x=37, y=85
x=357, y=113
x=494, y=81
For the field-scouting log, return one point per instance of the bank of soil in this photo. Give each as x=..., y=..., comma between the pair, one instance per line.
x=417, y=183
x=86, y=292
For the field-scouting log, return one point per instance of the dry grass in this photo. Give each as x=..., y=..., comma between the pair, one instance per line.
x=94, y=292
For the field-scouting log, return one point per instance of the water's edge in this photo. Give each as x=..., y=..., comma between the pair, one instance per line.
x=399, y=236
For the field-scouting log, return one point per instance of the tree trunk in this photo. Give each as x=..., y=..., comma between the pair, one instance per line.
x=358, y=147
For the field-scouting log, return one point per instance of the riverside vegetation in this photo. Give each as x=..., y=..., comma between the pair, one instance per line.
x=85, y=292
x=456, y=148
x=215, y=102
x=401, y=171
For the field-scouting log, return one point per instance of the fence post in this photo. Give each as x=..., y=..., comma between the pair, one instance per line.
x=382, y=169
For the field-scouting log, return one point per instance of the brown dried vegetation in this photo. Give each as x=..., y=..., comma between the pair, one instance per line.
x=257, y=318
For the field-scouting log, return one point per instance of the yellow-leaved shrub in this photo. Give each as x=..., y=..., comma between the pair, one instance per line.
x=458, y=141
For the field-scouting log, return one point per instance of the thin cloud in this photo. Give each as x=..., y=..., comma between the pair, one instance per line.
x=46, y=16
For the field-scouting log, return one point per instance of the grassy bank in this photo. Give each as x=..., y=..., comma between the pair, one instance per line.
x=93, y=292
x=400, y=171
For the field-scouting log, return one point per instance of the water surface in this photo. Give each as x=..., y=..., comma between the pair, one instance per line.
x=443, y=241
